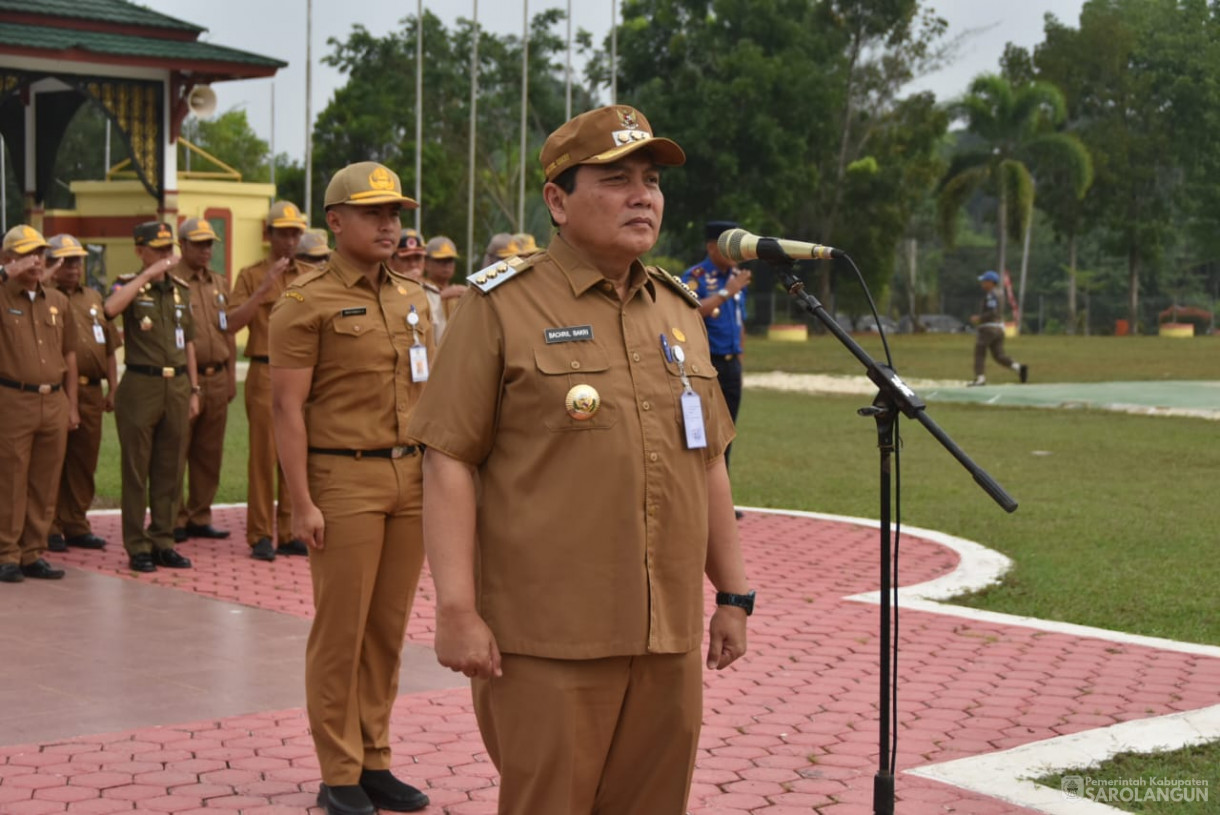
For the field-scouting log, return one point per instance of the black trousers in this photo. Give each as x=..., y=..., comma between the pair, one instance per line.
x=728, y=373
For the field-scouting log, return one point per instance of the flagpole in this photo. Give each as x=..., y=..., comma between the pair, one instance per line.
x=419, y=106
x=474, y=97
x=568, y=67
x=273, y=133
x=614, y=52
x=525, y=93
x=307, y=204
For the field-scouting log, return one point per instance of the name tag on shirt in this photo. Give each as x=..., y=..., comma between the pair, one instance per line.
x=353, y=312
x=418, y=355
x=571, y=333
x=692, y=418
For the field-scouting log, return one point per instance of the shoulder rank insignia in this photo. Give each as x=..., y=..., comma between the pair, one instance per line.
x=676, y=284
x=293, y=294
x=487, y=279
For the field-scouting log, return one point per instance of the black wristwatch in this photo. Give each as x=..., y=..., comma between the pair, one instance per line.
x=743, y=601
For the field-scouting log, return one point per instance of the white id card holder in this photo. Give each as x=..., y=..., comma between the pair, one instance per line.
x=99, y=336
x=692, y=418
x=224, y=321
x=419, y=363
x=179, y=338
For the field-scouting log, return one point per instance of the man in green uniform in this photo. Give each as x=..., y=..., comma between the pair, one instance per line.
x=96, y=342
x=157, y=398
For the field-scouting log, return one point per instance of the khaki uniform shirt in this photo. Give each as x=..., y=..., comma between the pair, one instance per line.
x=358, y=342
x=35, y=335
x=248, y=281
x=90, y=321
x=151, y=321
x=592, y=535
x=209, y=299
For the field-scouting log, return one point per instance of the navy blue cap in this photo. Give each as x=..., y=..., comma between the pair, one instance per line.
x=989, y=275
x=712, y=230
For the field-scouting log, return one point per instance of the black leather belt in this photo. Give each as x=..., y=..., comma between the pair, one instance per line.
x=208, y=370
x=387, y=452
x=92, y=381
x=21, y=386
x=263, y=358
x=153, y=370
x=727, y=357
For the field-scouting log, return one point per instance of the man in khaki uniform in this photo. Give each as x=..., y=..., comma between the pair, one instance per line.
x=408, y=259
x=96, y=342
x=353, y=341
x=156, y=399
x=216, y=371
x=584, y=382
x=37, y=402
x=500, y=247
x=440, y=262
x=254, y=293
x=313, y=250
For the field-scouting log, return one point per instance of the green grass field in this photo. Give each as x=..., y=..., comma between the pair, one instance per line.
x=1194, y=765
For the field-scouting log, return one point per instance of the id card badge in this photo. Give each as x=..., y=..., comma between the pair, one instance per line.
x=179, y=338
x=224, y=321
x=692, y=418
x=419, y=363
x=99, y=336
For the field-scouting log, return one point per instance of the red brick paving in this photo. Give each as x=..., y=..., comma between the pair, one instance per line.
x=790, y=729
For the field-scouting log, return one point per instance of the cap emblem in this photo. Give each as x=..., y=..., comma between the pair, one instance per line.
x=380, y=179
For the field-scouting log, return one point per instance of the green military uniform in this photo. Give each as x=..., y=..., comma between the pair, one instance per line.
x=152, y=410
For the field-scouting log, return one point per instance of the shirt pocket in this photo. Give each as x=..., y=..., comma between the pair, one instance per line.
x=561, y=368
x=702, y=376
x=351, y=350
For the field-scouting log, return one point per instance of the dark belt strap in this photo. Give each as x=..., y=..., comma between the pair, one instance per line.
x=387, y=452
x=21, y=386
x=153, y=370
x=263, y=358
x=208, y=370
x=90, y=381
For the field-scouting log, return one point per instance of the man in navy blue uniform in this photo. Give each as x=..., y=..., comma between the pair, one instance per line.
x=721, y=288
x=990, y=337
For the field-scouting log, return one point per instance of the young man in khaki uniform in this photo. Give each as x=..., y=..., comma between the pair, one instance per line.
x=37, y=401
x=255, y=292
x=353, y=341
x=584, y=383
x=96, y=342
x=157, y=398
x=440, y=263
x=216, y=370
x=313, y=250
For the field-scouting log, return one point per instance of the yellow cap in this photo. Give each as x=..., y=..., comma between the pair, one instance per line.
x=525, y=243
x=65, y=246
x=602, y=136
x=197, y=230
x=366, y=183
x=23, y=239
x=441, y=248
x=286, y=215
x=314, y=244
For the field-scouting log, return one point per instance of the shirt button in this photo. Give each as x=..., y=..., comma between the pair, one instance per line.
x=652, y=510
x=607, y=285
x=653, y=456
x=694, y=369
x=647, y=406
x=575, y=365
x=636, y=357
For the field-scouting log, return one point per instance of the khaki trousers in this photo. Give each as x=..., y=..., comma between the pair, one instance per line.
x=152, y=415
x=264, y=478
x=613, y=736
x=204, y=450
x=364, y=582
x=76, y=487
x=32, y=442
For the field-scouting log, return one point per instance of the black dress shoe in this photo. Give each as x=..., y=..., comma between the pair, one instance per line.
x=292, y=547
x=56, y=543
x=739, y=514
x=86, y=541
x=206, y=531
x=10, y=573
x=170, y=559
x=387, y=792
x=142, y=562
x=41, y=570
x=179, y=534
x=263, y=550
x=348, y=799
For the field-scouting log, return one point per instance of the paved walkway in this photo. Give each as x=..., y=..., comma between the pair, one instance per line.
x=179, y=692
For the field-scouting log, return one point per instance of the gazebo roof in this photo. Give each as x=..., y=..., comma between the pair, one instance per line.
x=116, y=12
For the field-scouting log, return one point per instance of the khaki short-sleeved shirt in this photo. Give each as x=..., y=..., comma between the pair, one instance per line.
x=209, y=300
x=248, y=281
x=358, y=341
x=151, y=322
x=592, y=535
x=89, y=317
x=34, y=335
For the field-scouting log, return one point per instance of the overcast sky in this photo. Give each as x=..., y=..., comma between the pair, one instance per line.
x=277, y=29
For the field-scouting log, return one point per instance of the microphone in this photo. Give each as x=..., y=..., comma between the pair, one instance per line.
x=739, y=245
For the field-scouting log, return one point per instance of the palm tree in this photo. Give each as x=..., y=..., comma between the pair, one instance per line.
x=1013, y=126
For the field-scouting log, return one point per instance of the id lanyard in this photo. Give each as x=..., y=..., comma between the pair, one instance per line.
x=179, y=334
x=99, y=336
x=418, y=354
x=692, y=405
x=224, y=318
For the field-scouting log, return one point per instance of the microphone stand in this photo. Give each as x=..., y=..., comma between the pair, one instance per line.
x=893, y=396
